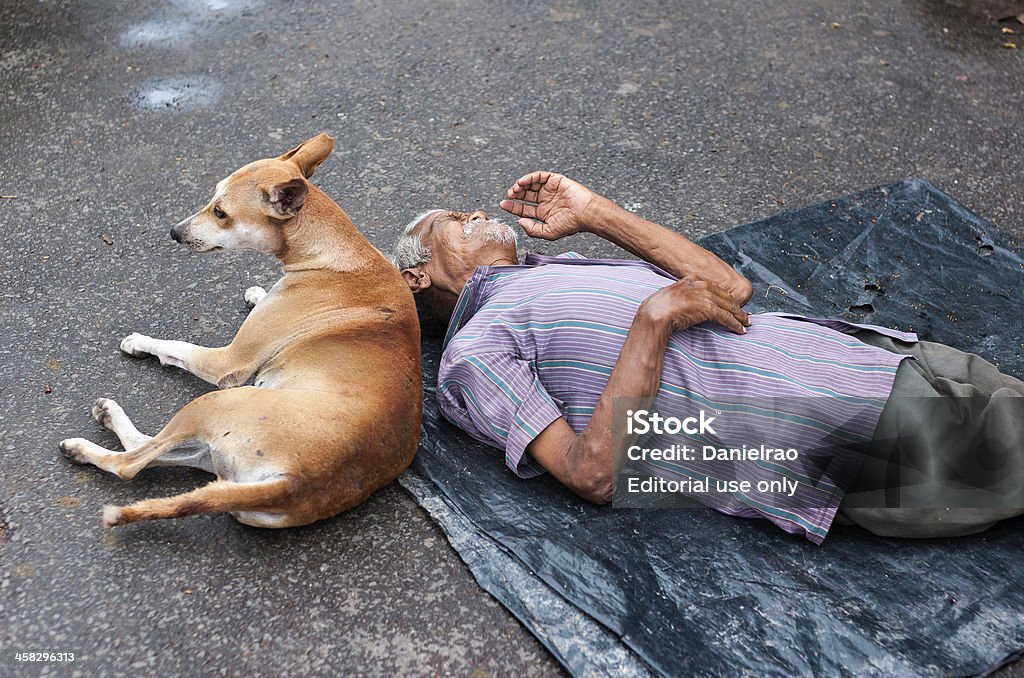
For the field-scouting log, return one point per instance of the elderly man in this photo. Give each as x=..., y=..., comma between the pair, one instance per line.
x=536, y=353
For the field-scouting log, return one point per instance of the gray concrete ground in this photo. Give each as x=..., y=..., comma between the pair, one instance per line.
x=116, y=119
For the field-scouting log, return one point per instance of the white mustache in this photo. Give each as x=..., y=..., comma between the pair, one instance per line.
x=493, y=230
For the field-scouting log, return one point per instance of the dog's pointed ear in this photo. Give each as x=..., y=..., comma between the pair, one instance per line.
x=286, y=198
x=309, y=154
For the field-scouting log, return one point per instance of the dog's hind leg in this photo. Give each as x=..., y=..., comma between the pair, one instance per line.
x=267, y=498
x=112, y=416
x=158, y=451
x=180, y=443
x=190, y=438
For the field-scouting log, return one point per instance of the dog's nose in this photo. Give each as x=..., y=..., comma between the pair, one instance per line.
x=176, y=231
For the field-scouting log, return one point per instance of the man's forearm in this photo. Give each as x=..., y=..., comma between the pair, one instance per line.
x=662, y=247
x=588, y=463
x=637, y=374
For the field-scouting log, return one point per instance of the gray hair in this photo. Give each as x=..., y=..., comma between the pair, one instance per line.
x=409, y=250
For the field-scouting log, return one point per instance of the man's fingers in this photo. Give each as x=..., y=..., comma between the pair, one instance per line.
x=537, y=179
x=725, y=318
x=534, y=228
x=520, y=209
x=512, y=207
x=726, y=301
x=533, y=182
x=527, y=195
x=719, y=296
x=729, y=303
x=718, y=305
x=740, y=316
x=736, y=315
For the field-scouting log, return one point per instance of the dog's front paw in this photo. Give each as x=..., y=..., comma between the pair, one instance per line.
x=135, y=344
x=72, y=449
x=254, y=295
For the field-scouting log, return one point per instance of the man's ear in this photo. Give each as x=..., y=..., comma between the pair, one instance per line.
x=417, y=279
x=286, y=199
x=309, y=154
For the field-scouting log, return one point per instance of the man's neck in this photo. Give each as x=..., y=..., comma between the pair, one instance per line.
x=503, y=260
x=441, y=302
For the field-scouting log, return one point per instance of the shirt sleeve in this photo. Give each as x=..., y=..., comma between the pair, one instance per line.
x=497, y=398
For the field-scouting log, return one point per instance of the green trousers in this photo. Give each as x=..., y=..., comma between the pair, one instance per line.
x=947, y=457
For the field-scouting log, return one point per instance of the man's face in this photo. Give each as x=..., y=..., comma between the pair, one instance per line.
x=459, y=242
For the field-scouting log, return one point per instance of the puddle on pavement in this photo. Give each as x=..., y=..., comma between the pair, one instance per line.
x=222, y=6
x=178, y=93
x=155, y=33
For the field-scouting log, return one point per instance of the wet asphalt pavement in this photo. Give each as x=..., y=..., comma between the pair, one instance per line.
x=117, y=119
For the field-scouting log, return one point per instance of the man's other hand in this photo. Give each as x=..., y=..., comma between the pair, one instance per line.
x=691, y=301
x=550, y=206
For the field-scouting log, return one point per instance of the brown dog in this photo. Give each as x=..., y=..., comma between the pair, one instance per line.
x=333, y=348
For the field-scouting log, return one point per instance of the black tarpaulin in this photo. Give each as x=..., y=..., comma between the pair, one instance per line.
x=694, y=592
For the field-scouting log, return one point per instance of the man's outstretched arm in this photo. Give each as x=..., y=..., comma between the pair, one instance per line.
x=551, y=206
x=587, y=463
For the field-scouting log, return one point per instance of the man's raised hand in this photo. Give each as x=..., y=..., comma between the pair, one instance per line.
x=550, y=206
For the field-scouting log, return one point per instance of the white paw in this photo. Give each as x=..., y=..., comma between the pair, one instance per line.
x=112, y=516
x=254, y=295
x=72, y=449
x=104, y=410
x=134, y=344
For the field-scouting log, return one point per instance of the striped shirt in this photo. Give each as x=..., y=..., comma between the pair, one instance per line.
x=529, y=344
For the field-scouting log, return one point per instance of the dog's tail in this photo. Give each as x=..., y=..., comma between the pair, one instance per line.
x=220, y=496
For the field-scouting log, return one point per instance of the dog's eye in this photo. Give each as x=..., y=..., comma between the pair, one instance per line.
x=219, y=213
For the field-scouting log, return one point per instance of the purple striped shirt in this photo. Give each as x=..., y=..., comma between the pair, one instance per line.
x=533, y=343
